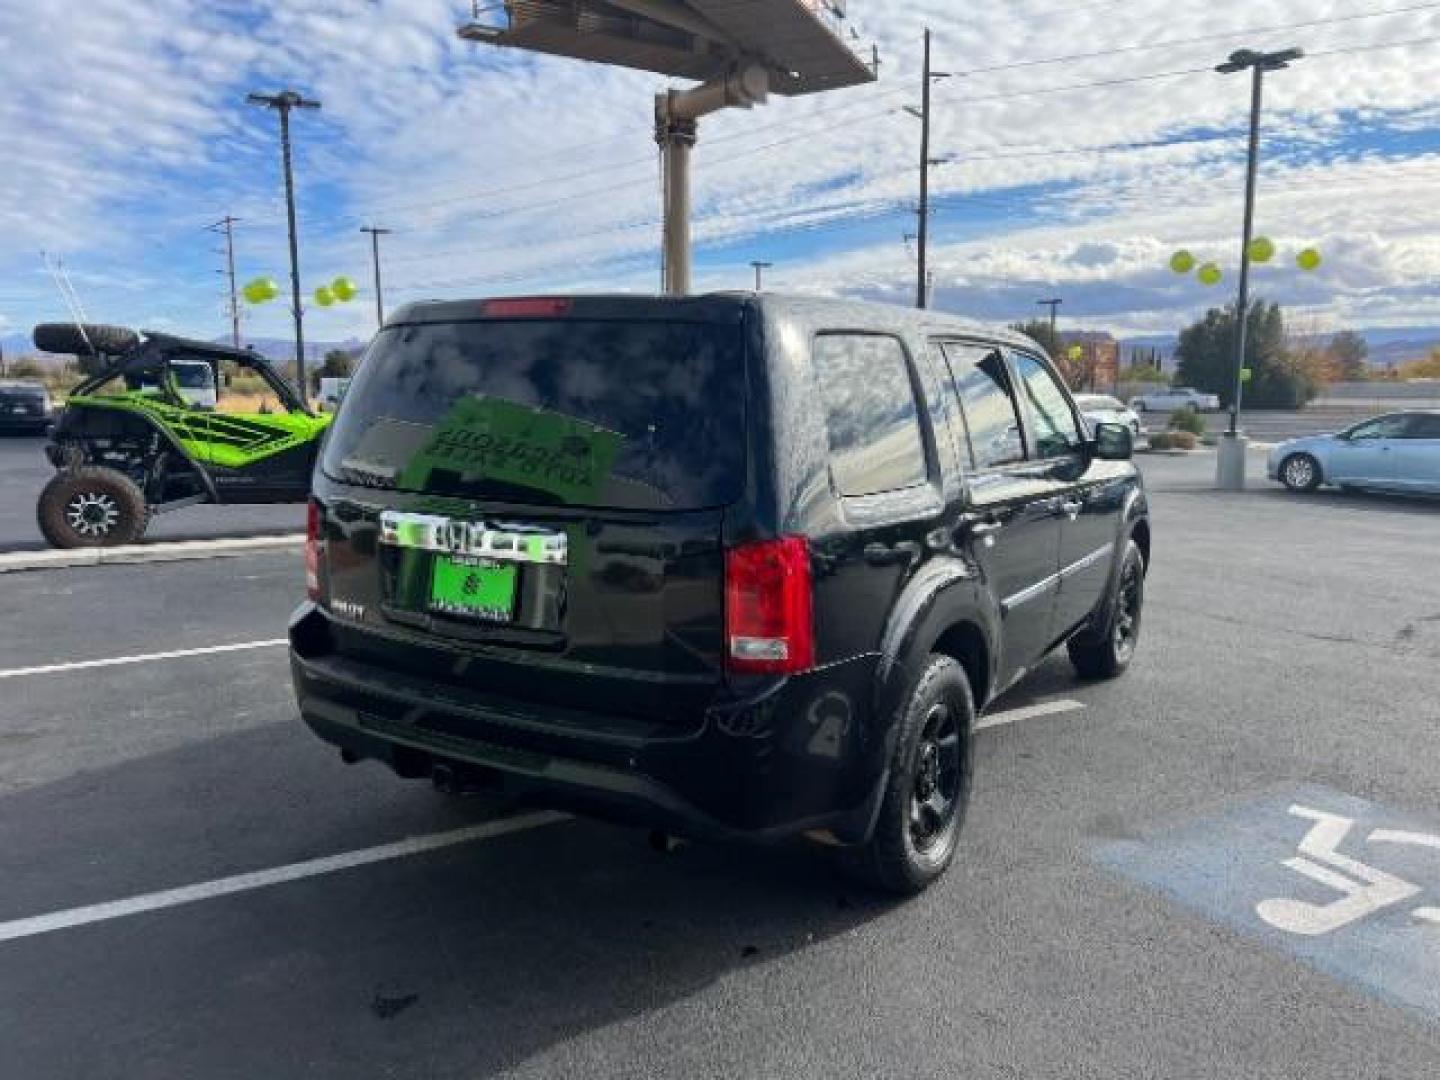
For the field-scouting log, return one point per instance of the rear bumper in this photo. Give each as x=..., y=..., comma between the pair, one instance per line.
x=801, y=755
x=32, y=425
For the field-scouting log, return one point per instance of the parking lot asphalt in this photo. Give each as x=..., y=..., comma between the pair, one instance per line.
x=1097, y=922
x=24, y=472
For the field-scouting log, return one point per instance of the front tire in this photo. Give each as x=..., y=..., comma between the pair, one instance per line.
x=1300, y=472
x=928, y=788
x=1106, y=651
x=91, y=507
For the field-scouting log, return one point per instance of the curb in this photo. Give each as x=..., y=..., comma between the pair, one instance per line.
x=175, y=551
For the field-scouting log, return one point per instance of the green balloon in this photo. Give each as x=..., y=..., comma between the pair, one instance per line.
x=344, y=289
x=1182, y=262
x=1262, y=249
x=261, y=290
x=1309, y=259
x=1210, y=274
x=323, y=296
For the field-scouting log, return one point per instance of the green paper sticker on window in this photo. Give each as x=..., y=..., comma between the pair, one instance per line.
x=488, y=439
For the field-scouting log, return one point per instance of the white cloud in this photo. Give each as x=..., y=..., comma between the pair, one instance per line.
x=506, y=171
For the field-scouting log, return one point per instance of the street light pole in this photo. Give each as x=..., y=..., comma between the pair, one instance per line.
x=1232, y=455
x=1054, y=306
x=283, y=103
x=760, y=268
x=375, y=235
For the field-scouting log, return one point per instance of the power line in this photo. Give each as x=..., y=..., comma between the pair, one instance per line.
x=1219, y=36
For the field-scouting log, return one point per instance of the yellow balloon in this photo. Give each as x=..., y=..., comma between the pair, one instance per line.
x=261, y=290
x=1210, y=274
x=344, y=289
x=1182, y=262
x=1262, y=249
x=1309, y=259
x=323, y=296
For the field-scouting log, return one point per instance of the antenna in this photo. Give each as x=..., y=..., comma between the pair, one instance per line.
x=61, y=277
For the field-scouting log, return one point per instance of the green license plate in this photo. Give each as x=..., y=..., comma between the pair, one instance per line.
x=473, y=588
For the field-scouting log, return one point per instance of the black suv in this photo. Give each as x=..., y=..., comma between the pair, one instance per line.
x=732, y=565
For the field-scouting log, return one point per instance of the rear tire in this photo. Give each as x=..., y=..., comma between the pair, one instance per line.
x=928, y=787
x=1300, y=472
x=1106, y=652
x=97, y=338
x=91, y=507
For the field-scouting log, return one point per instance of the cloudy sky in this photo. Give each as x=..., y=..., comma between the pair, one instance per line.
x=1089, y=141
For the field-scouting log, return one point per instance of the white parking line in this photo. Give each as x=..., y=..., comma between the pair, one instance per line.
x=1028, y=712
x=208, y=890
x=145, y=658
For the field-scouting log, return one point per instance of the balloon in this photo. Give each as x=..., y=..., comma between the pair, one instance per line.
x=323, y=296
x=1246, y=375
x=1182, y=262
x=1210, y=274
x=1262, y=249
x=261, y=290
x=1309, y=259
x=1076, y=352
x=344, y=289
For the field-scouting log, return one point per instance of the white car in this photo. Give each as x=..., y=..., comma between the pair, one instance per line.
x=1103, y=409
x=1170, y=398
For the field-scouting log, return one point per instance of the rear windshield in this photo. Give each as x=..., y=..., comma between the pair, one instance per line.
x=193, y=376
x=627, y=415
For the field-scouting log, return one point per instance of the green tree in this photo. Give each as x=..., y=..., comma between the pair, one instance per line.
x=1207, y=359
x=27, y=368
x=338, y=364
x=1350, y=355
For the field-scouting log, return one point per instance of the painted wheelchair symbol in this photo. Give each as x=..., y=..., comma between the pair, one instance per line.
x=1364, y=889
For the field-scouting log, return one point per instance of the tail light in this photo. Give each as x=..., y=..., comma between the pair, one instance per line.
x=312, y=551
x=769, y=614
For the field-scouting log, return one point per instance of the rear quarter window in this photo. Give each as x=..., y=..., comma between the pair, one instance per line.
x=870, y=413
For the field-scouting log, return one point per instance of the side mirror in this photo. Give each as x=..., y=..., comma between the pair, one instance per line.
x=1113, y=442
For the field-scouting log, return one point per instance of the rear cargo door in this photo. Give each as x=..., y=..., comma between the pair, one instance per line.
x=547, y=495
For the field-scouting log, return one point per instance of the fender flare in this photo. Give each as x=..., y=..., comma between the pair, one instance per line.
x=945, y=593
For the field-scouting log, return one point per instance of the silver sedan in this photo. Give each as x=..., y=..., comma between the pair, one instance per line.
x=1396, y=453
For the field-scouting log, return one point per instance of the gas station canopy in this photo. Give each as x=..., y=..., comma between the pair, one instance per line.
x=690, y=39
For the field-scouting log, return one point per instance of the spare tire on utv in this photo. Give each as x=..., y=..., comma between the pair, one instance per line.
x=96, y=339
x=92, y=507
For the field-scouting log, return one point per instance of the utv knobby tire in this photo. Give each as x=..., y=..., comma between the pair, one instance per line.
x=92, y=507
x=97, y=338
x=895, y=860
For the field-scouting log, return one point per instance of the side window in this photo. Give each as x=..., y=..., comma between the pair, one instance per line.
x=871, y=414
x=1387, y=427
x=1423, y=426
x=983, y=384
x=1051, y=418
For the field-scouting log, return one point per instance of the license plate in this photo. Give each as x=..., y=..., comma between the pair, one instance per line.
x=473, y=588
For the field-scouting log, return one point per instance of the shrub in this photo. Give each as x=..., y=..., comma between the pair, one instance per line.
x=1187, y=420
x=1174, y=440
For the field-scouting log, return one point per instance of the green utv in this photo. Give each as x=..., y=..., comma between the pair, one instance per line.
x=155, y=431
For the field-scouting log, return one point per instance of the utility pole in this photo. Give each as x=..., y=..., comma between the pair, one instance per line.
x=760, y=268
x=1231, y=466
x=1054, y=306
x=283, y=103
x=375, y=235
x=227, y=225
x=928, y=79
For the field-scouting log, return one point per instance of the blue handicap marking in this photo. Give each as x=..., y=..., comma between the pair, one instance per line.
x=1348, y=886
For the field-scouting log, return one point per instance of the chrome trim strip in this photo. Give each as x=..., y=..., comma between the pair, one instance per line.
x=451, y=536
x=1024, y=596
x=1088, y=561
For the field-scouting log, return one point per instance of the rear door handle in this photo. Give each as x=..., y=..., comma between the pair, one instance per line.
x=978, y=525
x=1072, y=508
